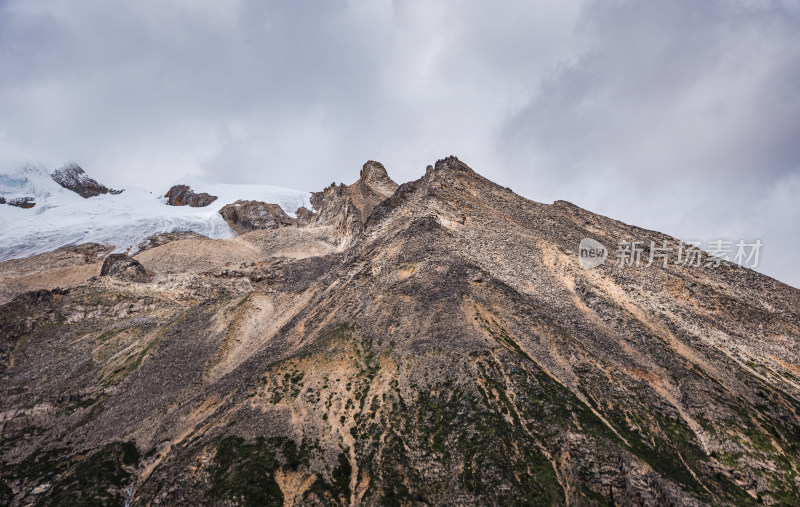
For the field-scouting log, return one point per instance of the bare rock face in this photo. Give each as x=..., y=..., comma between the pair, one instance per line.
x=124, y=267
x=336, y=208
x=346, y=207
x=183, y=195
x=373, y=186
x=376, y=178
x=14, y=422
x=452, y=351
x=246, y=216
x=72, y=177
x=304, y=216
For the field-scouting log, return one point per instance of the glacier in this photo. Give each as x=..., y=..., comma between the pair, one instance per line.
x=63, y=218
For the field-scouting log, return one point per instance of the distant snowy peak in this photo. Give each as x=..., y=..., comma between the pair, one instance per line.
x=33, y=184
x=28, y=185
x=72, y=177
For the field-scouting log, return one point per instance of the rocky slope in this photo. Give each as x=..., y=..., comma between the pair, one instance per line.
x=435, y=342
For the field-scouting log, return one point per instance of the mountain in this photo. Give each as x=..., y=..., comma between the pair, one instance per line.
x=436, y=342
x=70, y=208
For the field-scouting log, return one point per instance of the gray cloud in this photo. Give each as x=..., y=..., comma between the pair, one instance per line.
x=678, y=115
x=681, y=116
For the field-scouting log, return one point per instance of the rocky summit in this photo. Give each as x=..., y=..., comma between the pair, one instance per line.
x=436, y=342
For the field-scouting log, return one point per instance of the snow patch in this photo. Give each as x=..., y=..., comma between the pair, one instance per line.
x=63, y=218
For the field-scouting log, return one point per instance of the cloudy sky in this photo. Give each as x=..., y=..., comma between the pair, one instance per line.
x=681, y=115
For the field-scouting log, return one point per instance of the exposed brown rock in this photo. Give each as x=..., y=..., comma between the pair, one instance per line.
x=345, y=208
x=16, y=421
x=124, y=267
x=304, y=216
x=336, y=209
x=452, y=351
x=246, y=216
x=373, y=186
x=72, y=177
x=183, y=195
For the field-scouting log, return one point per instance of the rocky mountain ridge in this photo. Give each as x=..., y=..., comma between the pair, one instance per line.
x=434, y=342
x=72, y=177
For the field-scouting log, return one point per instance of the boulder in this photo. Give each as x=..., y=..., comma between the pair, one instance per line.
x=246, y=216
x=124, y=267
x=183, y=195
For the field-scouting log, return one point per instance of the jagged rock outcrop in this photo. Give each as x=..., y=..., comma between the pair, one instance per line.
x=373, y=186
x=304, y=216
x=72, y=177
x=183, y=195
x=124, y=267
x=452, y=351
x=335, y=208
x=247, y=216
x=346, y=207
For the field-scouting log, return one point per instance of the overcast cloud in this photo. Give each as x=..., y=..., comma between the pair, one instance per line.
x=681, y=116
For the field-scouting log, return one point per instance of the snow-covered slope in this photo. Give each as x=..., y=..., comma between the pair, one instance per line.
x=62, y=217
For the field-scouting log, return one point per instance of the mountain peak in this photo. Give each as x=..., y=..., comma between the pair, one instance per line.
x=451, y=164
x=373, y=169
x=444, y=344
x=451, y=171
x=374, y=175
x=348, y=206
